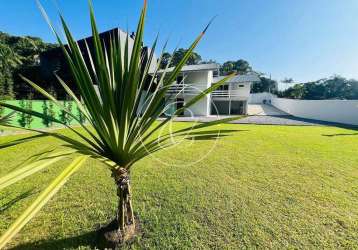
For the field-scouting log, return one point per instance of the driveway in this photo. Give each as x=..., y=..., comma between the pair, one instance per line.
x=264, y=109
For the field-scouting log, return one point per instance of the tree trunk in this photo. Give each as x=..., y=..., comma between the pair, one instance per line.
x=123, y=228
x=125, y=216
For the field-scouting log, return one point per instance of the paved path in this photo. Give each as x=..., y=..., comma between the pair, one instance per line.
x=264, y=109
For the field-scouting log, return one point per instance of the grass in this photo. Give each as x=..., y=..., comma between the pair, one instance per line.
x=262, y=187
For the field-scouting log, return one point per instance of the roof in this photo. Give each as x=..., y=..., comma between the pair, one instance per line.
x=198, y=67
x=105, y=36
x=249, y=77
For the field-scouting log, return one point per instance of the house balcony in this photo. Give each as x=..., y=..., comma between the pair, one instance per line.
x=180, y=90
x=229, y=94
x=185, y=89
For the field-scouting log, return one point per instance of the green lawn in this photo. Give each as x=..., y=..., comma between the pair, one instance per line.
x=263, y=187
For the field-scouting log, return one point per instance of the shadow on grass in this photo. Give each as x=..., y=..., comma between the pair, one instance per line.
x=18, y=198
x=206, y=137
x=212, y=134
x=19, y=141
x=333, y=135
x=88, y=239
x=28, y=160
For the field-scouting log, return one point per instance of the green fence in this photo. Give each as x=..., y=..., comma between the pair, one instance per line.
x=43, y=107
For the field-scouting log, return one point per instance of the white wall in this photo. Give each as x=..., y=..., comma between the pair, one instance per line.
x=258, y=98
x=201, y=108
x=340, y=111
x=200, y=81
x=243, y=92
x=123, y=38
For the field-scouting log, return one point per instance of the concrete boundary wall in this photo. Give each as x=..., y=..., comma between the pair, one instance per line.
x=339, y=111
x=259, y=98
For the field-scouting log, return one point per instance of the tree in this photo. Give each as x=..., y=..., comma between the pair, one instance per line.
x=265, y=85
x=210, y=61
x=17, y=54
x=165, y=60
x=298, y=91
x=116, y=135
x=177, y=56
x=240, y=67
x=8, y=62
x=335, y=87
x=287, y=80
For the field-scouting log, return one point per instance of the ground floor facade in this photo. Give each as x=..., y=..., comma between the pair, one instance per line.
x=207, y=106
x=228, y=107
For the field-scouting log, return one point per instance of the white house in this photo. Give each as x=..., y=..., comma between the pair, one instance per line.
x=230, y=99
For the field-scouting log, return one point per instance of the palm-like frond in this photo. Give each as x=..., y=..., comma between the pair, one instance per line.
x=123, y=129
x=43, y=198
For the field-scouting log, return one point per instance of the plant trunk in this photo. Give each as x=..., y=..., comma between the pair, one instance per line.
x=123, y=228
x=125, y=216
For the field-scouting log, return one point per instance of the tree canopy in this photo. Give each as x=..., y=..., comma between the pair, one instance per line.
x=177, y=56
x=240, y=66
x=335, y=87
x=265, y=85
x=16, y=53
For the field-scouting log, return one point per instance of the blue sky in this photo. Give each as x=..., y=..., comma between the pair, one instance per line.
x=302, y=39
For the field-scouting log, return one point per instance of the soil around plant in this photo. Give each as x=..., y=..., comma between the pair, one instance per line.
x=109, y=237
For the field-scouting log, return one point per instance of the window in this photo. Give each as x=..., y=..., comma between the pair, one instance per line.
x=219, y=107
x=223, y=87
x=241, y=86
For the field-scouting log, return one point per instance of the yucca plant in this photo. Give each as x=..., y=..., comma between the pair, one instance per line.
x=119, y=129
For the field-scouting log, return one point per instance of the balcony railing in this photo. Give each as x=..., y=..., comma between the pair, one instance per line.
x=195, y=89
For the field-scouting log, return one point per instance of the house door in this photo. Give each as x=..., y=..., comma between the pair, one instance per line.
x=228, y=107
x=220, y=108
x=237, y=108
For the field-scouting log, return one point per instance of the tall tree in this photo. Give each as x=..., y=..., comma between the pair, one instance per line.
x=335, y=87
x=264, y=85
x=210, y=61
x=165, y=60
x=177, y=56
x=17, y=54
x=287, y=80
x=240, y=67
x=8, y=62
